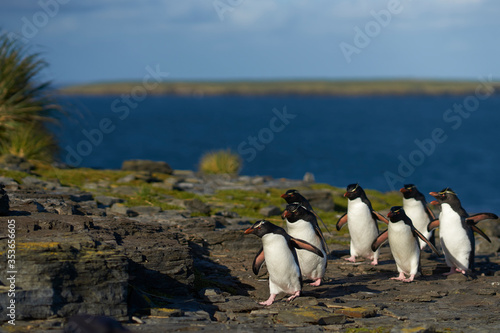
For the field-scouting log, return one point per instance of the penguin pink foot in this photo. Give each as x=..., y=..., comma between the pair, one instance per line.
x=316, y=283
x=269, y=301
x=295, y=295
x=453, y=270
x=410, y=279
x=374, y=262
x=400, y=277
x=351, y=259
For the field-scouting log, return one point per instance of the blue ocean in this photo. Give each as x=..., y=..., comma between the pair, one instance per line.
x=382, y=142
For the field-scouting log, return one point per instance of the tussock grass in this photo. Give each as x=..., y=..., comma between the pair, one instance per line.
x=29, y=141
x=25, y=103
x=220, y=162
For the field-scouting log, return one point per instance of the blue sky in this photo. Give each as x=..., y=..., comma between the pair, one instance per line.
x=110, y=40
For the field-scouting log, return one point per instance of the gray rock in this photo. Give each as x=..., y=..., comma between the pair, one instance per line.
x=146, y=210
x=270, y=211
x=121, y=209
x=7, y=181
x=490, y=227
x=66, y=209
x=56, y=279
x=309, y=177
x=332, y=320
x=319, y=199
x=82, y=197
x=229, y=214
x=125, y=190
x=221, y=317
x=88, y=324
x=212, y=295
x=148, y=166
x=196, y=205
x=127, y=179
x=484, y=247
x=15, y=163
x=33, y=181
x=107, y=201
x=238, y=304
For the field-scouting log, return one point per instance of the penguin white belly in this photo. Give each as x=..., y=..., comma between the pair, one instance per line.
x=362, y=228
x=311, y=265
x=284, y=273
x=418, y=216
x=404, y=247
x=454, y=239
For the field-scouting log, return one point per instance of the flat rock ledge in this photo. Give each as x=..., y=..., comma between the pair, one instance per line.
x=141, y=269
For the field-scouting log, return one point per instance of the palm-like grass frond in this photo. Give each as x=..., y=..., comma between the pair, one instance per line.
x=23, y=98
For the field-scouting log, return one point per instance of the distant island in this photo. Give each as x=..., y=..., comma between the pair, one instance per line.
x=285, y=87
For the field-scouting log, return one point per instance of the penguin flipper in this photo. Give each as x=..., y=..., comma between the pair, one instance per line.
x=481, y=216
x=341, y=221
x=318, y=232
x=429, y=212
x=258, y=261
x=319, y=218
x=377, y=216
x=479, y=231
x=381, y=239
x=302, y=244
x=422, y=237
x=433, y=225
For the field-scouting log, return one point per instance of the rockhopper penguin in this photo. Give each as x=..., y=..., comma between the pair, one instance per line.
x=279, y=252
x=416, y=208
x=361, y=220
x=403, y=239
x=456, y=229
x=301, y=223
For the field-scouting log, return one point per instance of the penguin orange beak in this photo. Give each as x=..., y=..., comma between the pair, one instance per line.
x=403, y=190
x=346, y=195
x=285, y=214
x=435, y=195
x=249, y=231
x=284, y=195
x=390, y=214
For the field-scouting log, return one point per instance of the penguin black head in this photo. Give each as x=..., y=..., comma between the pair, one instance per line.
x=354, y=191
x=292, y=196
x=409, y=191
x=446, y=195
x=261, y=228
x=296, y=211
x=396, y=214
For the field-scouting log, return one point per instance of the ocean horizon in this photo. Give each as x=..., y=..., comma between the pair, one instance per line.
x=380, y=142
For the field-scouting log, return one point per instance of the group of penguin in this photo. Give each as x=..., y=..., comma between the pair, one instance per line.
x=301, y=251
